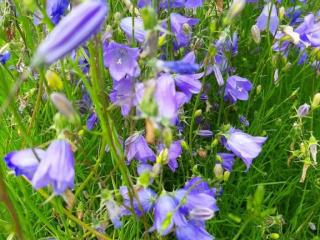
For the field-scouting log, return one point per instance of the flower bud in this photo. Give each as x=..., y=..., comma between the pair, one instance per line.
x=53, y=80
x=198, y=113
x=226, y=176
x=149, y=17
x=313, y=143
x=236, y=7
x=72, y=31
x=258, y=89
x=315, y=101
x=274, y=236
x=184, y=145
x=64, y=107
x=163, y=156
x=255, y=32
x=303, y=110
x=282, y=12
x=218, y=171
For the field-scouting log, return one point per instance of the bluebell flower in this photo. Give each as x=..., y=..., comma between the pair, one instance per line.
x=137, y=148
x=309, y=31
x=56, y=168
x=56, y=9
x=24, y=162
x=227, y=160
x=4, y=57
x=237, y=88
x=121, y=61
x=123, y=94
x=192, y=231
x=73, y=30
x=139, y=32
x=263, y=20
x=243, y=145
x=181, y=29
x=115, y=212
x=174, y=152
x=244, y=120
x=146, y=198
x=92, y=121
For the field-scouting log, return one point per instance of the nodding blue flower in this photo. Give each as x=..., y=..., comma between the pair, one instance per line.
x=192, y=231
x=243, y=145
x=172, y=3
x=264, y=19
x=24, y=162
x=237, y=88
x=123, y=94
x=174, y=152
x=309, y=31
x=294, y=13
x=168, y=99
x=115, y=212
x=303, y=110
x=121, y=61
x=181, y=28
x=166, y=214
x=56, y=167
x=227, y=160
x=139, y=32
x=4, y=57
x=73, y=30
x=136, y=147
x=92, y=121
x=146, y=198
x=56, y=9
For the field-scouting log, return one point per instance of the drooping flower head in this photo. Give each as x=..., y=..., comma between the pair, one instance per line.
x=237, y=88
x=72, y=31
x=143, y=204
x=243, y=145
x=123, y=94
x=24, y=162
x=137, y=148
x=56, y=167
x=139, y=32
x=264, y=20
x=56, y=9
x=121, y=61
x=181, y=28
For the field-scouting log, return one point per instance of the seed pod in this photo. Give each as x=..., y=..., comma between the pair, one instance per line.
x=255, y=32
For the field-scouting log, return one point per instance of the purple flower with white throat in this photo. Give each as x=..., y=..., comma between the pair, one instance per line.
x=237, y=88
x=121, y=61
x=56, y=167
x=243, y=145
x=137, y=147
x=264, y=20
x=24, y=162
x=181, y=28
x=73, y=30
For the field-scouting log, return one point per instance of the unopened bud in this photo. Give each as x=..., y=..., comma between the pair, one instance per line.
x=315, y=101
x=226, y=176
x=53, y=80
x=198, y=113
x=313, y=143
x=214, y=143
x=236, y=7
x=255, y=32
x=64, y=107
x=218, y=171
x=163, y=156
x=167, y=136
x=117, y=16
x=258, y=89
x=274, y=236
x=303, y=110
x=184, y=145
x=282, y=11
